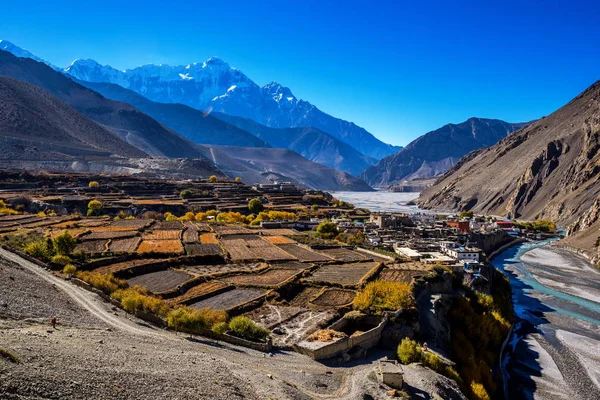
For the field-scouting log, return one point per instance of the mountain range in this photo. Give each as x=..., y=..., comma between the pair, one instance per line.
x=214, y=85
x=548, y=170
x=435, y=152
x=96, y=133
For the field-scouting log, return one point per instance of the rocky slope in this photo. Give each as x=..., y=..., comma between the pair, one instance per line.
x=435, y=152
x=547, y=170
x=311, y=143
x=35, y=125
x=215, y=85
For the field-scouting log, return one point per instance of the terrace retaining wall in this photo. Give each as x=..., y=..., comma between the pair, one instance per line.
x=365, y=340
x=264, y=347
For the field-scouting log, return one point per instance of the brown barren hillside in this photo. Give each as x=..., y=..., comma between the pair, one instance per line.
x=548, y=170
x=41, y=123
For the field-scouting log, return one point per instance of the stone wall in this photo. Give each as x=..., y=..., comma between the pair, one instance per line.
x=490, y=241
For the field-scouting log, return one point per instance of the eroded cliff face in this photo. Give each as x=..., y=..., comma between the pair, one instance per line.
x=549, y=170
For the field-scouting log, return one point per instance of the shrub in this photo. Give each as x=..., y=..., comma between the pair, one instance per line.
x=466, y=214
x=220, y=328
x=479, y=391
x=212, y=213
x=238, y=179
x=187, y=318
x=107, y=283
x=255, y=206
x=245, y=328
x=64, y=243
x=93, y=185
x=69, y=269
x=94, y=208
x=327, y=230
x=200, y=217
x=314, y=207
x=383, y=295
x=185, y=194
x=61, y=260
x=137, y=299
x=39, y=250
x=188, y=216
x=170, y=217
x=212, y=179
x=409, y=351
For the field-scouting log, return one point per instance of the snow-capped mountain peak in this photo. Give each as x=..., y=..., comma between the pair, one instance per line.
x=279, y=92
x=20, y=52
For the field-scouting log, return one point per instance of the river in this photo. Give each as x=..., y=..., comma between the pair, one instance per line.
x=555, y=349
x=382, y=201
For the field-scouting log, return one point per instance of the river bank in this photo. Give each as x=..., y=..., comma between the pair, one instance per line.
x=553, y=352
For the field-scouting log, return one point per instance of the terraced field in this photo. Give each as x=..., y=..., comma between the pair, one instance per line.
x=75, y=232
x=201, y=291
x=270, y=278
x=280, y=232
x=162, y=234
x=209, y=238
x=232, y=230
x=230, y=299
x=122, y=266
x=267, y=251
x=304, y=254
x=191, y=236
x=160, y=281
x=238, y=250
x=224, y=268
x=105, y=234
x=400, y=275
x=168, y=225
x=303, y=298
x=334, y=298
x=297, y=265
x=343, y=274
x=127, y=245
x=198, y=249
x=278, y=240
x=92, y=246
x=134, y=224
x=345, y=255
x=160, y=246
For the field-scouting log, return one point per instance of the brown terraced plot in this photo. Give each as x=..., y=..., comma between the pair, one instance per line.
x=334, y=298
x=92, y=246
x=346, y=255
x=399, y=275
x=160, y=281
x=127, y=245
x=160, y=246
x=122, y=266
x=342, y=274
x=224, y=268
x=162, y=234
x=267, y=251
x=303, y=298
x=198, y=249
x=268, y=278
x=106, y=234
x=230, y=299
x=303, y=254
x=201, y=291
x=131, y=223
x=167, y=225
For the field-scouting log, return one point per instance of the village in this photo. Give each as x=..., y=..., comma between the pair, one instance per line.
x=269, y=266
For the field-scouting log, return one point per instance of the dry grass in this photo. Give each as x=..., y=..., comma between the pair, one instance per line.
x=326, y=335
x=278, y=240
x=160, y=246
x=209, y=238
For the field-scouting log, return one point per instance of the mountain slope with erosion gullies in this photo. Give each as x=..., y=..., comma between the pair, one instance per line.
x=549, y=170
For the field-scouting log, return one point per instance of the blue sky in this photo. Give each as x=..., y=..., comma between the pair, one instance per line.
x=397, y=68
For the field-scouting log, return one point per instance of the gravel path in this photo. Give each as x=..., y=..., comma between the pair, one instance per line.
x=101, y=352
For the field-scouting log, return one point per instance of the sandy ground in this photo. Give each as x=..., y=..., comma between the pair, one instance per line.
x=100, y=352
x=557, y=294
